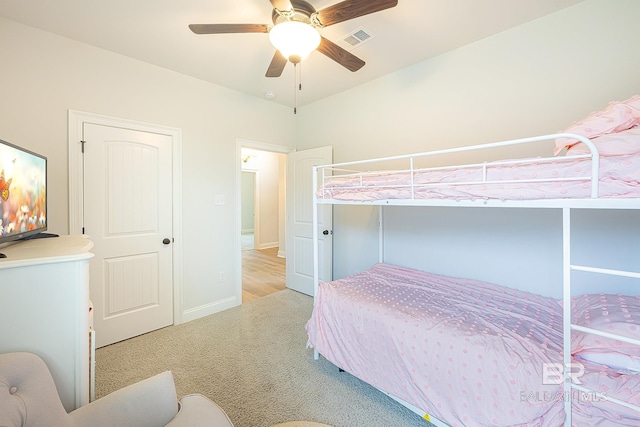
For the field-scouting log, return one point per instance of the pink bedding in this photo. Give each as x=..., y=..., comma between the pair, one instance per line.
x=619, y=177
x=467, y=352
x=592, y=409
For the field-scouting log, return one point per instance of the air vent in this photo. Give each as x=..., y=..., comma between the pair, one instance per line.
x=357, y=37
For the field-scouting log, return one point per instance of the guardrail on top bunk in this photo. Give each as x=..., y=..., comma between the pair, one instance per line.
x=340, y=167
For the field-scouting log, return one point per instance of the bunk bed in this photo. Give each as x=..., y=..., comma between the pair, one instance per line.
x=464, y=352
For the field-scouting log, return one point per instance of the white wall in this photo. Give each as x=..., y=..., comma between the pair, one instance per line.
x=535, y=79
x=42, y=76
x=267, y=186
x=269, y=201
x=282, y=206
x=247, y=190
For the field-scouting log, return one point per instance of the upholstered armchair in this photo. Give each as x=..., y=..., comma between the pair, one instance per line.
x=28, y=398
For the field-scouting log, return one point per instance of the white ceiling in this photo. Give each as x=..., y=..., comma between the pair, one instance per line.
x=156, y=32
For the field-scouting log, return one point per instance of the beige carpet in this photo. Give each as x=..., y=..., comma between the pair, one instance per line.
x=301, y=424
x=253, y=361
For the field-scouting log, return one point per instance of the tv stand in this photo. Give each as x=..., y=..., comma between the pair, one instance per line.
x=44, y=309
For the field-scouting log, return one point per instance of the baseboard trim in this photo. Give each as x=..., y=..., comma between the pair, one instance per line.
x=282, y=254
x=207, y=309
x=268, y=245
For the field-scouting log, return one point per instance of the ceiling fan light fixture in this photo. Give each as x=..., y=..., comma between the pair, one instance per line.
x=295, y=40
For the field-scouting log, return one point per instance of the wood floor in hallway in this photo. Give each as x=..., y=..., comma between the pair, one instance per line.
x=263, y=273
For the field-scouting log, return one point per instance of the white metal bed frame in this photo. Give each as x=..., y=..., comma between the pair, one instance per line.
x=323, y=173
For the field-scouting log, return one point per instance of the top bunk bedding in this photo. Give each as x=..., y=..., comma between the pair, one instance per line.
x=619, y=177
x=601, y=161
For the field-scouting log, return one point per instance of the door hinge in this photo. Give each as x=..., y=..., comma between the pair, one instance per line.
x=82, y=230
x=82, y=146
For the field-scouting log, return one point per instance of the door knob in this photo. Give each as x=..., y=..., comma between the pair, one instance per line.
x=166, y=241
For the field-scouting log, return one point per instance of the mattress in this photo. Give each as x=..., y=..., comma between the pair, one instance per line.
x=619, y=176
x=467, y=352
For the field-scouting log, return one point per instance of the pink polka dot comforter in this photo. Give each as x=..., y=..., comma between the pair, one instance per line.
x=619, y=176
x=468, y=352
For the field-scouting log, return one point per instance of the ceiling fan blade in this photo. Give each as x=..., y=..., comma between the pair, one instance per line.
x=282, y=5
x=340, y=55
x=228, y=28
x=350, y=9
x=277, y=65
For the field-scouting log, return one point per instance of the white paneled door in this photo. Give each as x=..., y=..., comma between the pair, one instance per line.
x=300, y=221
x=128, y=216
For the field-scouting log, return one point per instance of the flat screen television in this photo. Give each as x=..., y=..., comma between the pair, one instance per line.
x=23, y=193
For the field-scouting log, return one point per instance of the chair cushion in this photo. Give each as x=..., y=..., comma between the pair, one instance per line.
x=28, y=395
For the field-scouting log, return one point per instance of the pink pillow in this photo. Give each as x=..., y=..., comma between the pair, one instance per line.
x=616, y=314
x=616, y=117
x=634, y=104
x=616, y=144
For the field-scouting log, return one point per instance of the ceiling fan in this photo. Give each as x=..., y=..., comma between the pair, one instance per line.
x=301, y=17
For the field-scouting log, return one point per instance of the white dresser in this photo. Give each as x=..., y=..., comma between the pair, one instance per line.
x=44, y=309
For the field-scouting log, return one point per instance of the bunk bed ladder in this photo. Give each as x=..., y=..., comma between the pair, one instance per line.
x=566, y=308
x=380, y=233
x=316, y=255
x=568, y=267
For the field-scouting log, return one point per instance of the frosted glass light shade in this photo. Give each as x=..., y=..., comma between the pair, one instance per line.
x=295, y=40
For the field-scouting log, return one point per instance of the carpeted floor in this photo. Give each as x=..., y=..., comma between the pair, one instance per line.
x=253, y=361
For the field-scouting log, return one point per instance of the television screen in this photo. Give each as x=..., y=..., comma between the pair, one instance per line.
x=23, y=192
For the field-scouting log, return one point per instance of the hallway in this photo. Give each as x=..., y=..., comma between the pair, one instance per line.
x=263, y=272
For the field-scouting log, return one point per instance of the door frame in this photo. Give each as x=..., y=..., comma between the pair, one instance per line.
x=256, y=145
x=76, y=120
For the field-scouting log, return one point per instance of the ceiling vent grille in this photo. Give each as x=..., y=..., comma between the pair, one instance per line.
x=357, y=37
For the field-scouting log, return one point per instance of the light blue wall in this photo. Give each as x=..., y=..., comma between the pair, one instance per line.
x=606, y=239
x=518, y=248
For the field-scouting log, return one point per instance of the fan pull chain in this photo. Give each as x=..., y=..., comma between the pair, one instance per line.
x=295, y=92
x=300, y=78
x=297, y=76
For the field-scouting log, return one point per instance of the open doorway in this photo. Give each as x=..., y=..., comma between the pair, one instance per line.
x=262, y=219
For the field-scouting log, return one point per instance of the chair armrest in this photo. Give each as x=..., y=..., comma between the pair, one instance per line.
x=198, y=411
x=151, y=402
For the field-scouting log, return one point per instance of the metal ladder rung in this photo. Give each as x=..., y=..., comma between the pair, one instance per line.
x=606, y=271
x=604, y=397
x=605, y=334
